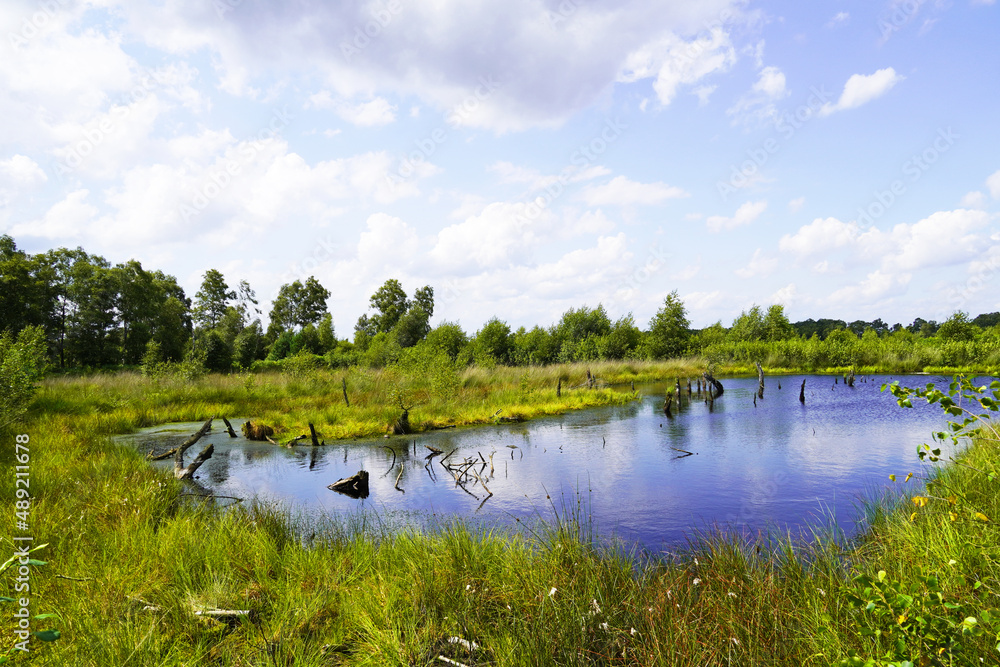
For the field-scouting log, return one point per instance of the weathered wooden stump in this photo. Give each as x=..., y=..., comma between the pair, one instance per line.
x=258, y=431
x=355, y=486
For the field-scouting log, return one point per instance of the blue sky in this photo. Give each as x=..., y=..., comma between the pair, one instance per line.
x=520, y=156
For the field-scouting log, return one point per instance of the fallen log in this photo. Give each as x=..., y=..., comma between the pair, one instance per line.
x=182, y=472
x=355, y=486
x=229, y=427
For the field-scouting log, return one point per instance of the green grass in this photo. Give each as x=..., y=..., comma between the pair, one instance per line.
x=331, y=594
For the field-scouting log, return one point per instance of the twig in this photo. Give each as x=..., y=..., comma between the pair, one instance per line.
x=398, y=476
x=451, y=662
x=63, y=576
x=393, y=460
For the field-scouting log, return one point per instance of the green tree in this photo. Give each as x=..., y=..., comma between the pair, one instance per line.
x=578, y=324
x=299, y=304
x=447, y=337
x=669, y=329
x=211, y=301
x=621, y=341
x=493, y=342
x=776, y=324
x=391, y=304
x=748, y=326
x=218, y=354
x=327, y=338
x=249, y=345
x=958, y=327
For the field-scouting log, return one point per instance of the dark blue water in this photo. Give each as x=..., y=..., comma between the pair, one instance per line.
x=778, y=466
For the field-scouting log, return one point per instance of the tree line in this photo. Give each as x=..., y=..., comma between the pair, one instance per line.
x=91, y=314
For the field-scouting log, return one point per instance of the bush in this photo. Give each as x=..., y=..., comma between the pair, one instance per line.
x=22, y=363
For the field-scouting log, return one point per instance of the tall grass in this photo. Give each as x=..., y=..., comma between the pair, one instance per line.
x=130, y=559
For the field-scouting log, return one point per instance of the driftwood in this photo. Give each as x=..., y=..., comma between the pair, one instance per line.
x=229, y=427
x=261, y=432
x=760, y=382
x=717, y=389
x=802, y=392
x=315, y=438
x=182, y=472
x=355, y=486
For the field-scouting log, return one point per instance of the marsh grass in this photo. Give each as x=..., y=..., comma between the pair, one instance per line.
x=142, y=558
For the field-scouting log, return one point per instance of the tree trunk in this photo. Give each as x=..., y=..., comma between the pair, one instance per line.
x=760, y=381
x=181, y=472
x=355, y=486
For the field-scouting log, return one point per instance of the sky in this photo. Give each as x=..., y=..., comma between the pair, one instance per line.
x=522, y=157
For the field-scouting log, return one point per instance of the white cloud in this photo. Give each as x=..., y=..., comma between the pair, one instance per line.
x=67, y=219
x=839, y=19
x=974, y=199
x=744, y=215
x=759, y=265
x=21, y=171
x=861, y=89
x=876, y=286
x=993, y=183
x=821, y=235
x=786, y=296
x=498, y=237
x=674, y=62
x=945, y=238
x=375, y=112
x=771, y=83
x=795, y=205
x=621, y=191
x=758, y=104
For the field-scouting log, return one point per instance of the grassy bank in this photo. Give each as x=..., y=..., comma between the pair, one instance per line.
x=129, y=559
x=289, y=401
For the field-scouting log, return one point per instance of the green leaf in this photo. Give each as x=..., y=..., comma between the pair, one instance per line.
x=48, y=635
x=32, y=561
x=42, y=617
x=6, y=599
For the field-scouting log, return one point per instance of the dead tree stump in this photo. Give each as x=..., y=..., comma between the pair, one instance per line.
x=355, y=486
x=258, y=431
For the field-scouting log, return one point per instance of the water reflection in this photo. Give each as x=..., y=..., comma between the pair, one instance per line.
x=777, y=464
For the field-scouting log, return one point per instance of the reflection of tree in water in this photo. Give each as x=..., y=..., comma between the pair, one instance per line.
x=218, y=468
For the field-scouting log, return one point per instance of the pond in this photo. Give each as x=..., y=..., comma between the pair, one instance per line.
x=777, y=465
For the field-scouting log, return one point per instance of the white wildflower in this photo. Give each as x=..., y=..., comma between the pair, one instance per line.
x=595, y=606
x=696, y=581
x=731, y=594
x=552, y=593
x=633, y=632
x=604, y=626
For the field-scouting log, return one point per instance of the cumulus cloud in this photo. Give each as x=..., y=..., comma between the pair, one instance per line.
x=744, y=215
x=621, y=191
x=993, y=183
x=861, y=89
x=819, y=236
x=759, y=265
x=21, y=171
x=372, y=113
x=759, y=103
